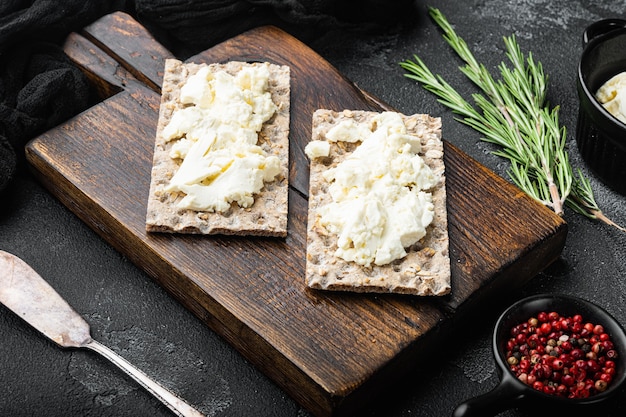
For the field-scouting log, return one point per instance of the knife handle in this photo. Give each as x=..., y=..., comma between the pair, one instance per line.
x=178, y=406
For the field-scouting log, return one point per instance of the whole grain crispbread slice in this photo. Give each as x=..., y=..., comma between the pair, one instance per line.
x=425, y=270
x=268, y=215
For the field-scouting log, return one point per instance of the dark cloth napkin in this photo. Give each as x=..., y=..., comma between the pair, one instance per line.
x=40, y=87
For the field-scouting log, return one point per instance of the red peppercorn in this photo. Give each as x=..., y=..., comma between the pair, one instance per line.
x=580, y=375
x=557, y=364
x=524, y=365
x=562, y=356
x=545, y=328
x=577, y=327
x=593, y=366
x=566, y=345
x=510, y=345
x=606, y=377
x=576, y=354
x=568, y=380
x=566, y=358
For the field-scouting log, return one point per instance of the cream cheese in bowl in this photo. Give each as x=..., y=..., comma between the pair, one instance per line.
x=600, y=130
x=612, y=96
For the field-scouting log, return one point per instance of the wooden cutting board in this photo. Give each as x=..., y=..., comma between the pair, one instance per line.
x=332, y=352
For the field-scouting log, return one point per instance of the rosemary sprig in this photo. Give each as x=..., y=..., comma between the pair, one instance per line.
x=512, y=113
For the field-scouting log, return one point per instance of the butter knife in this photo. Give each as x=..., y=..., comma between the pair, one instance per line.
x=29, y=296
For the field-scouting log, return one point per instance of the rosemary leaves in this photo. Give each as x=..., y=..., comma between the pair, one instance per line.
x=512, y=113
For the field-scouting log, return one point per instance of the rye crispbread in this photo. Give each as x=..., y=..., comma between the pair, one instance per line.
x=268, y=215
x=425, y=270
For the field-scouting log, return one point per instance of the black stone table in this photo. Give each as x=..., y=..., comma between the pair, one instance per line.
x=131, y=314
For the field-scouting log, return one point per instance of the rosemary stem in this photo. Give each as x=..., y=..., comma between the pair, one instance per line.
x=511, y=113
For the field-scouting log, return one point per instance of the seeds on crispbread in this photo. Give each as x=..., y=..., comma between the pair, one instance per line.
x=425, y=270
x=268, y=215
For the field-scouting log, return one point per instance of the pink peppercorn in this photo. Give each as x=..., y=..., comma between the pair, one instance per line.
x=562, y=356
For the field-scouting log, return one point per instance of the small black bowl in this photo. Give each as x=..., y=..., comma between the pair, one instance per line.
x=511, y=392
x=600, y=136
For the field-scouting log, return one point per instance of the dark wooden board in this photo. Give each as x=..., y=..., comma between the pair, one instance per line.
x=330, y=351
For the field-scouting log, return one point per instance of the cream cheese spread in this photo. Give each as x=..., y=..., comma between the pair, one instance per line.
x=612, y=95
x=317, y=149
x=380, y=200
x=216, y=136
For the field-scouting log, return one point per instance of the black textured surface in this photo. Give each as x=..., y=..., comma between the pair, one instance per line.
x=132, y=315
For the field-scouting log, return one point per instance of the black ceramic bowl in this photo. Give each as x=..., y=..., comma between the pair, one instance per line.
x=511, y=392
x=600, y=136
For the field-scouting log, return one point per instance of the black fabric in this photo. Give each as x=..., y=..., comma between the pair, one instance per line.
x=40, y=87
